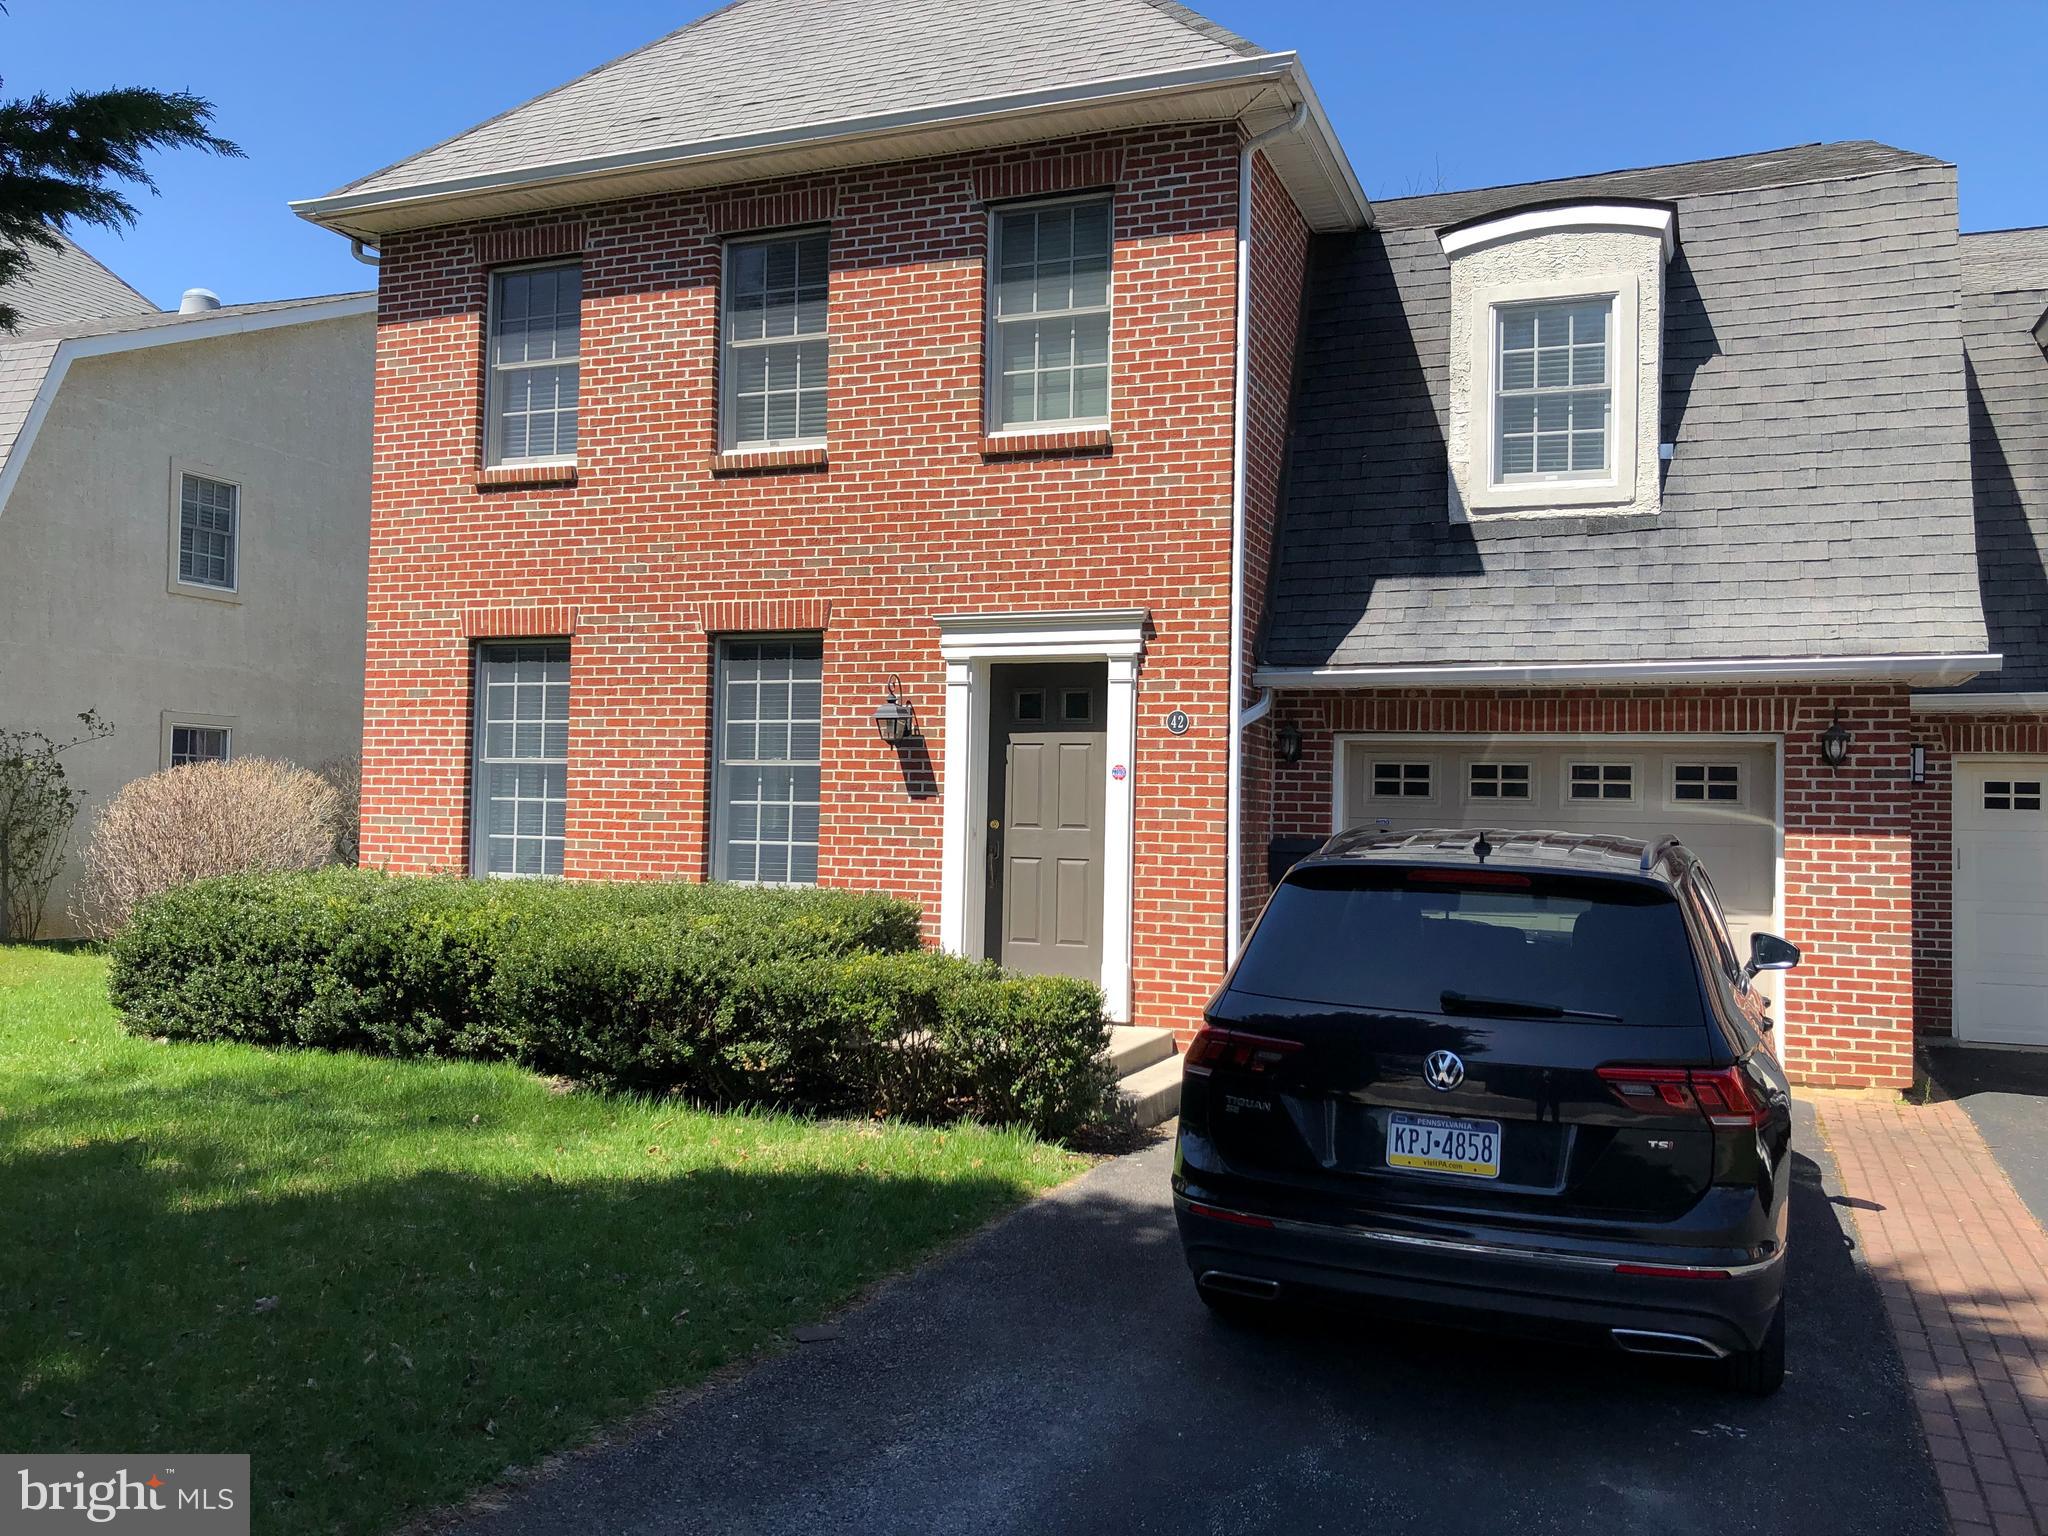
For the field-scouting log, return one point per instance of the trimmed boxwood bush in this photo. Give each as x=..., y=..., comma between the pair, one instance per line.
x=811, y=999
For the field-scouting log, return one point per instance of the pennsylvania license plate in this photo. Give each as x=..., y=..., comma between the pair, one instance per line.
x=1441, y=1144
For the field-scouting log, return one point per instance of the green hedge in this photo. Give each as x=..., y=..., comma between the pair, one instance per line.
x=811, y=999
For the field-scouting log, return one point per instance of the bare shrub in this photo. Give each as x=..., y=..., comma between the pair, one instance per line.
x=346, y=775
x=188, y=823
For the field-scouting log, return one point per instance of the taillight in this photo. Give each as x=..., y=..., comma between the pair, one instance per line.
x=1237, y=1050
x=1720, y=1093
x=1670, y=1272
x=1235, y=1218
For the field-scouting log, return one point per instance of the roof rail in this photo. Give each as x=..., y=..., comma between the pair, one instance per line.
x=1657, y=850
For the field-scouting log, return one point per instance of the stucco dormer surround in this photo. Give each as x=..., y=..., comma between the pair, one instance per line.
x=1553, y=307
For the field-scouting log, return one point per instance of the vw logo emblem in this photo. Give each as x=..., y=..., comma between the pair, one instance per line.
x=1442, y=1070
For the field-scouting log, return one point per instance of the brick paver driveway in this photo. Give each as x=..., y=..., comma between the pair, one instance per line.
x=1963, y=1267
x=1057, y=1374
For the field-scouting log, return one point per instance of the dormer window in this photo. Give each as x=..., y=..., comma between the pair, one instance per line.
x=1551, y=390
x=1557, y=320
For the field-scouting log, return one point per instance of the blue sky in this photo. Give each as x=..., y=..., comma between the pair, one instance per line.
x=1449, y=94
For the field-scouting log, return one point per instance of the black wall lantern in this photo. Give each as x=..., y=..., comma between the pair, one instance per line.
x=1287, y=743
x=895, y=720
x=1834, y=743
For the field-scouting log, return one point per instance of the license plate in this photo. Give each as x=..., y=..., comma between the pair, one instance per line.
x=1441, y=1144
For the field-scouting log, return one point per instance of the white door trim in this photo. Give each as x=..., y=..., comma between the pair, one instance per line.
x=971, y=644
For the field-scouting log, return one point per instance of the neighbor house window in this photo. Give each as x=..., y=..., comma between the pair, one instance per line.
x=536, y=334
x=770, y=741
x=776, y=344
x=521, y=787
x=1499, y=781
x=1050, y=308
x=209, y=519
x=1551, y=389
x=198, y=744
x=1602, y=781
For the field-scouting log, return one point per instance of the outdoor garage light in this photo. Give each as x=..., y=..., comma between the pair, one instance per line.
x=1834, y=743
x=895, y=720
x=1287, y=743
x=1918, y=761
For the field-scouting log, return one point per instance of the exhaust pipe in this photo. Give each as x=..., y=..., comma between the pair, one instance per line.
x=1250, y=1286
x=1683, y=1346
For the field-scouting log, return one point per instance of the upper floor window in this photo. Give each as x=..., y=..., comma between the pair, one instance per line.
x=536, y=322
x=1050, y=315
x=777, y=346
x=209, y=517
x=1552, y=398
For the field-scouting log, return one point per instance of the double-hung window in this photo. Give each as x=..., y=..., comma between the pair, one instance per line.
x=777, y=347
x=209, y=528
x=536, y=320
x=520, y=787
x=1050, y=315
x=770, y=736
x=1552, y=391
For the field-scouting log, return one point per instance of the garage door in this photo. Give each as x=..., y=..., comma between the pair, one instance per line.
x=1722, y=800
x=2001, y=900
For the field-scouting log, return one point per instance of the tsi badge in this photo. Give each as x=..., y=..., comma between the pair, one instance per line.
x=1442, y=1070
x=152, y=1495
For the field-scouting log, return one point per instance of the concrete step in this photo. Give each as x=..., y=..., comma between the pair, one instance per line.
x=1152, y=1093
x=1131, y=1047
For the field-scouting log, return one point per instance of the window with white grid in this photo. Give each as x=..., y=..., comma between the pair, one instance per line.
x=209, y=517
x=1499, y=781
x=1050, y=308
x=521, y=793
x=1602, y=781
x=770, y=745
x=536, y=337
x=198, y=744
x=777, y=347
x=1551, y=389
x=1401, y=781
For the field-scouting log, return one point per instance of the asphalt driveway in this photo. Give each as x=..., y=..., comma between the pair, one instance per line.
x=1057, y=1374
x=2006, y=1094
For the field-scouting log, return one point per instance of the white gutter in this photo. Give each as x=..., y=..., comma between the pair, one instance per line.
x=206, y=327
x=1240, y=434
x=1979, y=703
x=1929, y=670
x=1277, y=68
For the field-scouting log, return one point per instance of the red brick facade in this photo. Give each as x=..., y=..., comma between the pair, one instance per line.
x=654, y=542
x=1849, y=845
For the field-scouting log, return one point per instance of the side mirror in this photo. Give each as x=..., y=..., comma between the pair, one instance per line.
x=1768, y=952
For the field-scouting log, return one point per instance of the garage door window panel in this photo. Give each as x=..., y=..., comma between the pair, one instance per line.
x=1609, y=783
x=1395, y=779
x=1694, y=783
x=1500, y=781
x=2012, y=794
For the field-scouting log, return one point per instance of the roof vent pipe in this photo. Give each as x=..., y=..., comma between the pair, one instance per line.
x=197, y=301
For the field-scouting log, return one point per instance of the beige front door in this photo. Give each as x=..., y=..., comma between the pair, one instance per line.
x=1045, y=819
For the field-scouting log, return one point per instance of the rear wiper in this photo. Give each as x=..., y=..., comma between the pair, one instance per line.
x=1459, y=1002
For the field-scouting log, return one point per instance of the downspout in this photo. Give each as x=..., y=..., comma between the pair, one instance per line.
x=363, y=253
x=1240, y=717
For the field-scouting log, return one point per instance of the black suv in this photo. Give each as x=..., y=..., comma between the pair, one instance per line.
x=1511, y=1079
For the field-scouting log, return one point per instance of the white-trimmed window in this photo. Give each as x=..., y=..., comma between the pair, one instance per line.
x=1601, y=781
x=777, y=346
x=530, y=395
x=200, y=744
x=520, y=794
x=209, y=531
x=1499, y=781
x=1552, y=390
x=1402, y=781
x=2012, y=795
x=769, y=759
x=1049, y=314
x=1706, y=783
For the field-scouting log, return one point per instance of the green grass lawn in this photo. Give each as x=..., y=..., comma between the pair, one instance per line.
x=389, y=1281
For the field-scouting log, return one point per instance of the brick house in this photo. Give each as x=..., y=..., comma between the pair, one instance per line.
x=1043, y=372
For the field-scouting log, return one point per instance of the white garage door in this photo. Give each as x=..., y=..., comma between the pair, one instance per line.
x=2001, y=900
x=1721, y=800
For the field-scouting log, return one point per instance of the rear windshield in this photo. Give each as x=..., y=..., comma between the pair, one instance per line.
x=1399, y=940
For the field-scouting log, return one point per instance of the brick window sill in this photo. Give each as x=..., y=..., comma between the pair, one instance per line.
x=1072, y=440
x=506, y=476
x=768, y=461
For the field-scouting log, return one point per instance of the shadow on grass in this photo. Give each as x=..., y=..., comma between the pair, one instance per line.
x=261, y=1272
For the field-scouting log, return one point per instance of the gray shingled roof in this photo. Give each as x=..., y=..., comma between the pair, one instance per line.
x=1818, y=503
x=2005, y=290
x=64, y=284
x=760, y=65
